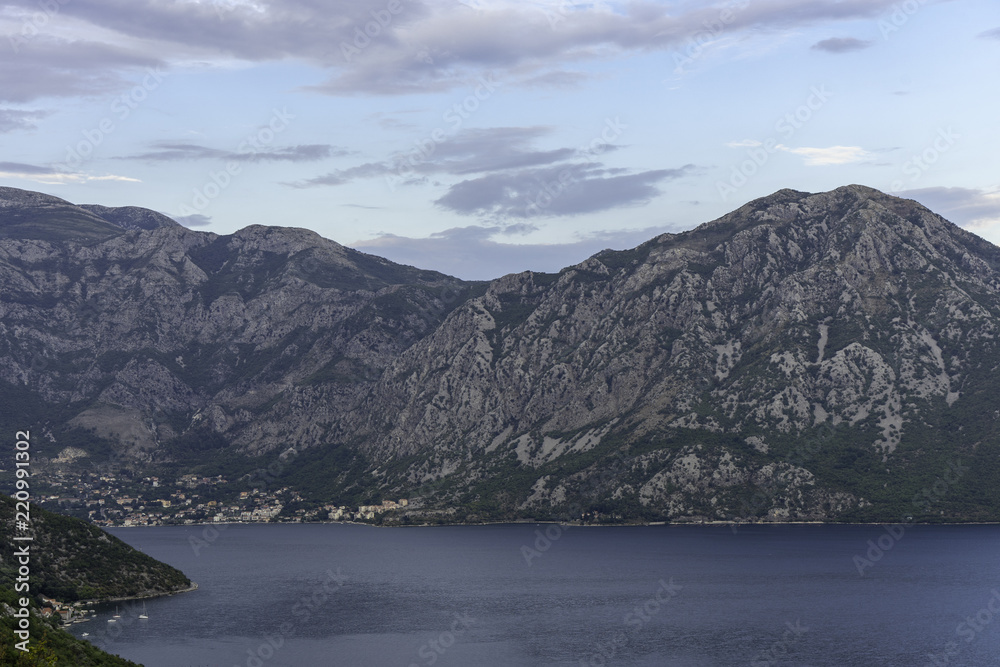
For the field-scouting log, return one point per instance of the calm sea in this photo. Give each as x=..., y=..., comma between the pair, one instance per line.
x=310, y=595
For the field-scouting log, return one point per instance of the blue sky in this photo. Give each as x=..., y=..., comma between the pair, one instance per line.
x=485, y=137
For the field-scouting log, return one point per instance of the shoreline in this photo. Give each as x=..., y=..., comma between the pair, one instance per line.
x=517, y=522
x=192, y=587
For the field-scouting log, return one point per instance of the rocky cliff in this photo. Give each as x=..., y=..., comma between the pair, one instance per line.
x=807, y=356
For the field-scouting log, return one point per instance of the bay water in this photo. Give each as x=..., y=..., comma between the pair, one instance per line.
x=525, y=594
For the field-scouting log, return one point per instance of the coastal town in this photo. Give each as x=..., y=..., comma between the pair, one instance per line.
x=110, y=499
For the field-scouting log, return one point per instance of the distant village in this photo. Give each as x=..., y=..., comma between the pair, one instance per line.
x=107, y=500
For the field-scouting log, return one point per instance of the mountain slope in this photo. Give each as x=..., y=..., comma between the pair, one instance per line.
x=169, y=344
x=807, y=356
x=70, y=560
x=130, y=218
x=73, y=560
x=33, y=215
x=854, y=322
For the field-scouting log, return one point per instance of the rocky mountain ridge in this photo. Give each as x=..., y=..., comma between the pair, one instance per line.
x=807, y=356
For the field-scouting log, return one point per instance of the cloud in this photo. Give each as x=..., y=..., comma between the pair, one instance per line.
x=512, y=177
x=841, y=45
x=819, y=157
x=990, y=34
x=344, y=176
x=967, y=207
x=429, y=45
x=471, y=151
x=388, y=121
x=49, y=67
x=50, y=176
x=13, y=120
x=535, y=42
x=493, y=149
x=171, y=152
x=25, y=169
x=472, y=253
x=555, y=191
x=833, y=155
x=194, y=220
x=556, y=79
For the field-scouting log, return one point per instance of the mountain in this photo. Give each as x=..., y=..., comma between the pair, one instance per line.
x=130, y=217
x=73, y=560
x=33, y=215
x=821, y=356
x=806, y=356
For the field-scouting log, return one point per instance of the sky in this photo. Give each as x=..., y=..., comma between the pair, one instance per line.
x=485, y=137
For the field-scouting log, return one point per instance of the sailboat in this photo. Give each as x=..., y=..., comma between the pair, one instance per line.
x=115, y=618
x=143, y=614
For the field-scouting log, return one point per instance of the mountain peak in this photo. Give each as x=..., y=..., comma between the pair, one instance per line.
x=131, y=218
x=671, y=380
x=35, y=215
x=16, y=197
x=797, y=208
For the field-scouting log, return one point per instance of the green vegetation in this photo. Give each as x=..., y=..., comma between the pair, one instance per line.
x=625, y=259
x=56, y=223
x=74, y=560
x=71, y=560
x=514, y=310
x=49, y=645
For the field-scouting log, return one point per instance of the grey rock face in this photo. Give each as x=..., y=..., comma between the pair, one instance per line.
x=807, y=356
x=130, y=218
